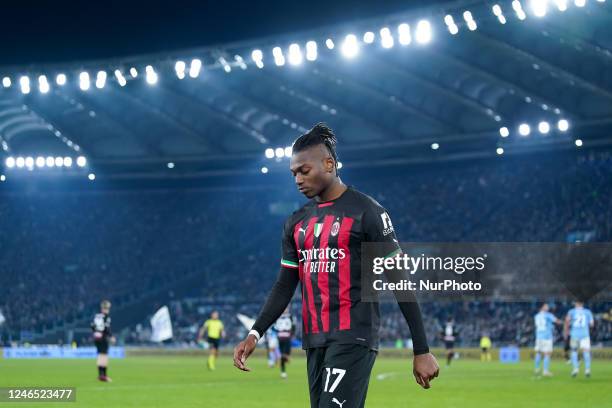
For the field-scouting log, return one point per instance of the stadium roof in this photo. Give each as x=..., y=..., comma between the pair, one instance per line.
x=510, y=80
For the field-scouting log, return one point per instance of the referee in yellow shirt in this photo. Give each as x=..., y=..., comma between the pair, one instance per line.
x=213, y=328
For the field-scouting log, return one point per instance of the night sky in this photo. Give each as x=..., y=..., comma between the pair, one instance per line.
x=54, y=31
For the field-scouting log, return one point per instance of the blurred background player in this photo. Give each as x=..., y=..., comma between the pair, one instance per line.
x=544, y=325
x=213, y=328
x=285, y=329
x=449, y=335
x=101, y=327
x=578, y=322
x=485, y=347
x=272, y=347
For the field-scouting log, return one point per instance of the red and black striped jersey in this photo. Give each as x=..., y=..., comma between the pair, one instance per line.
x=322, y=243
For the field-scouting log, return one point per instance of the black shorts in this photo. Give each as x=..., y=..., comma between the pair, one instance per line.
x=339, y=374
x=285, y=346
x=101, y=346
x=213, y=343
x=449, y=345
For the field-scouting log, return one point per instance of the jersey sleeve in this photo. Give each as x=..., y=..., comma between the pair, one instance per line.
x=378, y=227
x=289, y=257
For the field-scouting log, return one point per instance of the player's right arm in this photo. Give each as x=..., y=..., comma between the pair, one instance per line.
x=279, y=297
x=566, y=327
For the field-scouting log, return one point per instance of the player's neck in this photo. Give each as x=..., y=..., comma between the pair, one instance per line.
x=335, y=190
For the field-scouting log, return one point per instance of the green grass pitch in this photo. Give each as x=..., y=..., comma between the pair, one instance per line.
x=165, y=382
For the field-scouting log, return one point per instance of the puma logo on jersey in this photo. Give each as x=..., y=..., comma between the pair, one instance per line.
x=302, y=230
x=338, y=402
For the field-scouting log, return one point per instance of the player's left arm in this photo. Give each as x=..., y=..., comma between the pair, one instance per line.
x=566, y=327
x=378, y=228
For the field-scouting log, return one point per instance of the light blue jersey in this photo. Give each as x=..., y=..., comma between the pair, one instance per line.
x=580, y=320
x=544, y=325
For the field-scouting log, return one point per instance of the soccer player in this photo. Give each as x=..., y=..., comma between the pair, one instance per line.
x=449, y=335
x=544, y=325
x=101, y=328
x=272, y=345
x=285, y=328
x=321, y=248
x=577, y=324
x=485, y=347
x=213, y=328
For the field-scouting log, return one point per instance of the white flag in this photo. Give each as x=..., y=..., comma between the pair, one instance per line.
x=161, y=325
x=248, y=323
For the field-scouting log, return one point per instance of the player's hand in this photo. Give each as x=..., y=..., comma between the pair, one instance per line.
x=242, y=351
x=425, y=369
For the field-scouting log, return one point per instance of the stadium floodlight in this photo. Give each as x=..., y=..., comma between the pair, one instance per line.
x=450, y=24
x=257, y=57
x=472, y=26
x=311, y=50
x=225, y=65
x=60, y=79
x=170, y=165
x=84, y=81
x=288, y=151
x=2, y=177
x=340, y=165
x=579, y=3
x=81, y=161
x=133, y=72
x=240, y=61
x=59, y=162
x=120, y=78
x=403, y=31
x=563, y=125
x=497, y=10
x=10, y=162
x=20, y=162
x=179, y=67
x=279, y=58
x=264, y=170
x=524, y=129
x=50, y=161
x=435, y=146
x=295, y=54
x=504, y=132
x=91, y=176
x=518, y=9
x=539, y=7
x=578, y=142
x=500, y=151
x=269, y=153
x=561, y=4
x=279, y=152
x=101, y=79
x=423, y=32
x=329, y=43
x=386, y=39
x=150, y=75
x=43, y=84
x=40, y=161
x=350, y=46
x=195, y=67
x=469, y=19
x=544, y=127
x=369, y=37
x=6, y=82
x=502, y=19
x=67, y=161
x=29, y=162
x=24, y=82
